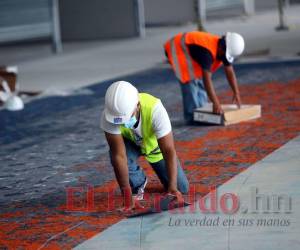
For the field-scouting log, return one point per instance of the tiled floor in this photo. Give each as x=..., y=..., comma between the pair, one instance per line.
x=277, y=174
x=56, y=143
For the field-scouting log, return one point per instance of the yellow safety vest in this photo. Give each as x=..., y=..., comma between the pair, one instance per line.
x=149, y=146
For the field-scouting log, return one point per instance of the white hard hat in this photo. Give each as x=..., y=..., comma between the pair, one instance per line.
x=235, y=45
x=14, y=103
x=121, y=99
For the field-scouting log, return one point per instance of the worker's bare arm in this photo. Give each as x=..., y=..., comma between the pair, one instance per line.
x=230, y=75
x=119, y=159
x=167, y=148
x=211, y=92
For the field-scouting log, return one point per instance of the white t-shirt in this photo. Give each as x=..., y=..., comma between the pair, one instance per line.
x=160, y=122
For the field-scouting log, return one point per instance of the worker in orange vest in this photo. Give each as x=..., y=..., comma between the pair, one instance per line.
x=194, y=56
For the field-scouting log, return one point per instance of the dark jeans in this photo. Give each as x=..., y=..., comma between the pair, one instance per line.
x=137, y=176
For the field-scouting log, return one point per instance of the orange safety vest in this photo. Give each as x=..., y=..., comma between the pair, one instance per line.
x=184, y=66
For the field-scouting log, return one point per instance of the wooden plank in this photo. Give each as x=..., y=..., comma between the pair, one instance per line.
x=232, y=114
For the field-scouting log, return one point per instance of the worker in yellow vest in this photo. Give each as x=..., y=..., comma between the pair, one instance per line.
x=137, y=124
x=194, y=56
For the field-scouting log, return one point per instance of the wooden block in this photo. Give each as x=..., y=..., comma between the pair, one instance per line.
x=232, y=114
x=9, y=74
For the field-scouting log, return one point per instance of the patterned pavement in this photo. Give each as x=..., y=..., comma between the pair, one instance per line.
x=56, y=144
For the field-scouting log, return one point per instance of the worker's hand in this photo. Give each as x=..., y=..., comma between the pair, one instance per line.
x=133, y=206
x=130, y=203
x=217, y=109
x=176, y=193
x=237, y=99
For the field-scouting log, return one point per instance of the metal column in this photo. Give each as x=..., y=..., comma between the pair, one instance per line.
x=140, y=17
x=282, y=17
x=56, y=35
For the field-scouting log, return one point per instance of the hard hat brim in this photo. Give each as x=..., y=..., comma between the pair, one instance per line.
x=115, y=119
x=229, y=57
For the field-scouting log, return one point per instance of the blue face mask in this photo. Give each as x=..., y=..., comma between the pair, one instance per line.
x=131, y=122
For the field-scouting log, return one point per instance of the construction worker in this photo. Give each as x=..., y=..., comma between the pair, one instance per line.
x=194, y=56
x=137, y=124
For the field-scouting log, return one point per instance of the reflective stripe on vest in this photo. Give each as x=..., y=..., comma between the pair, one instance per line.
x=187, y=57
x=175, y=59
x=188, y=60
